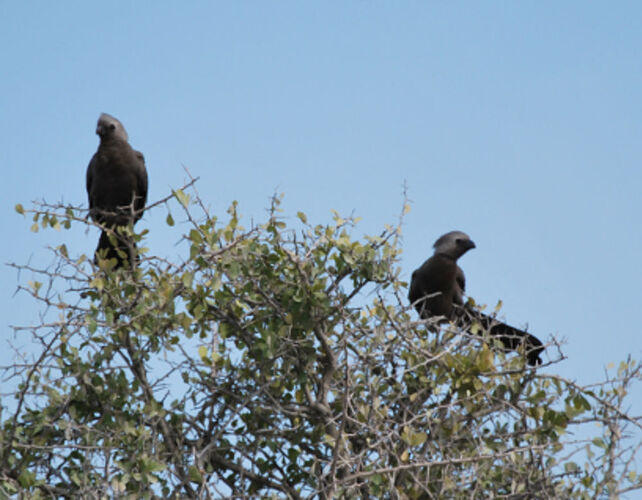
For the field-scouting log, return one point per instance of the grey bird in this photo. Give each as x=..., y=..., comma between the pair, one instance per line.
x=437, y=289
x=116, y=187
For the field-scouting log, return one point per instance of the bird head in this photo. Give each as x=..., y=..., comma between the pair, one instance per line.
x=108, y=126
x=453, y=244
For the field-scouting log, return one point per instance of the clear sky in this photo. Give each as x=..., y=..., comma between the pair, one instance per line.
x=517, y=122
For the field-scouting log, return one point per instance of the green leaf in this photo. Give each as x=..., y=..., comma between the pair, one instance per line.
x=413, y=438
x=154, y=466
x=27, y=478
x=169, y=220
x=35, y=286
x=20, y=209
x=195, y=236
x=187, y=279
x=194, y=474
x=182, y=198
x=581, y=403
x=97, y=283
x=486, y=359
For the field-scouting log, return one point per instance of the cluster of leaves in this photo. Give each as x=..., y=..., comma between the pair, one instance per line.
x=275, y=361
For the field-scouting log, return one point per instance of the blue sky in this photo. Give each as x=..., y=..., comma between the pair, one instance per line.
x=517, y=122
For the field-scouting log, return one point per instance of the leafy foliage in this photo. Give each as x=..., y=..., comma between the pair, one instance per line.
x=284, y=361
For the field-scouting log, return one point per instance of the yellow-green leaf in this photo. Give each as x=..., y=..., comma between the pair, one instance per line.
x=182, y=198
x=194, y=474
x=486, y=359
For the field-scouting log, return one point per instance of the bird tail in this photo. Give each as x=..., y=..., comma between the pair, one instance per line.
x=510, y=337
x=116, y=245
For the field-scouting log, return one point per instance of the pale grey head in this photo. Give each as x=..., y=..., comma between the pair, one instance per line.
x=453, y=244
x=108, y=126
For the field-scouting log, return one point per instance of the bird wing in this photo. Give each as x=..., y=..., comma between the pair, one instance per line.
x=460, y=280
x=90, y=179
x=434, y=282
x=141, y=182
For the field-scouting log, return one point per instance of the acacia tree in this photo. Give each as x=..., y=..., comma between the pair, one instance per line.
x=285, y=362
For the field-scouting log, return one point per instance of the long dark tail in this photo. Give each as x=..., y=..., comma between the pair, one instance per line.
x=512, y=338
x=115, y=245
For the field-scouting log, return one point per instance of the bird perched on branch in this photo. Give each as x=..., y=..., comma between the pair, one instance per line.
x=437, y=289
x=117, y=189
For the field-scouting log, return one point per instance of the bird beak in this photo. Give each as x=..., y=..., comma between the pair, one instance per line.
x=471, y=244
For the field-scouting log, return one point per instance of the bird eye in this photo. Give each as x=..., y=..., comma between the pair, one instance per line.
x=459, y=241
x=112, y=126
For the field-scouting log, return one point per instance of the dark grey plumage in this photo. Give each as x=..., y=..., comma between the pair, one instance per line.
x=437, y=289
x=116, y=187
